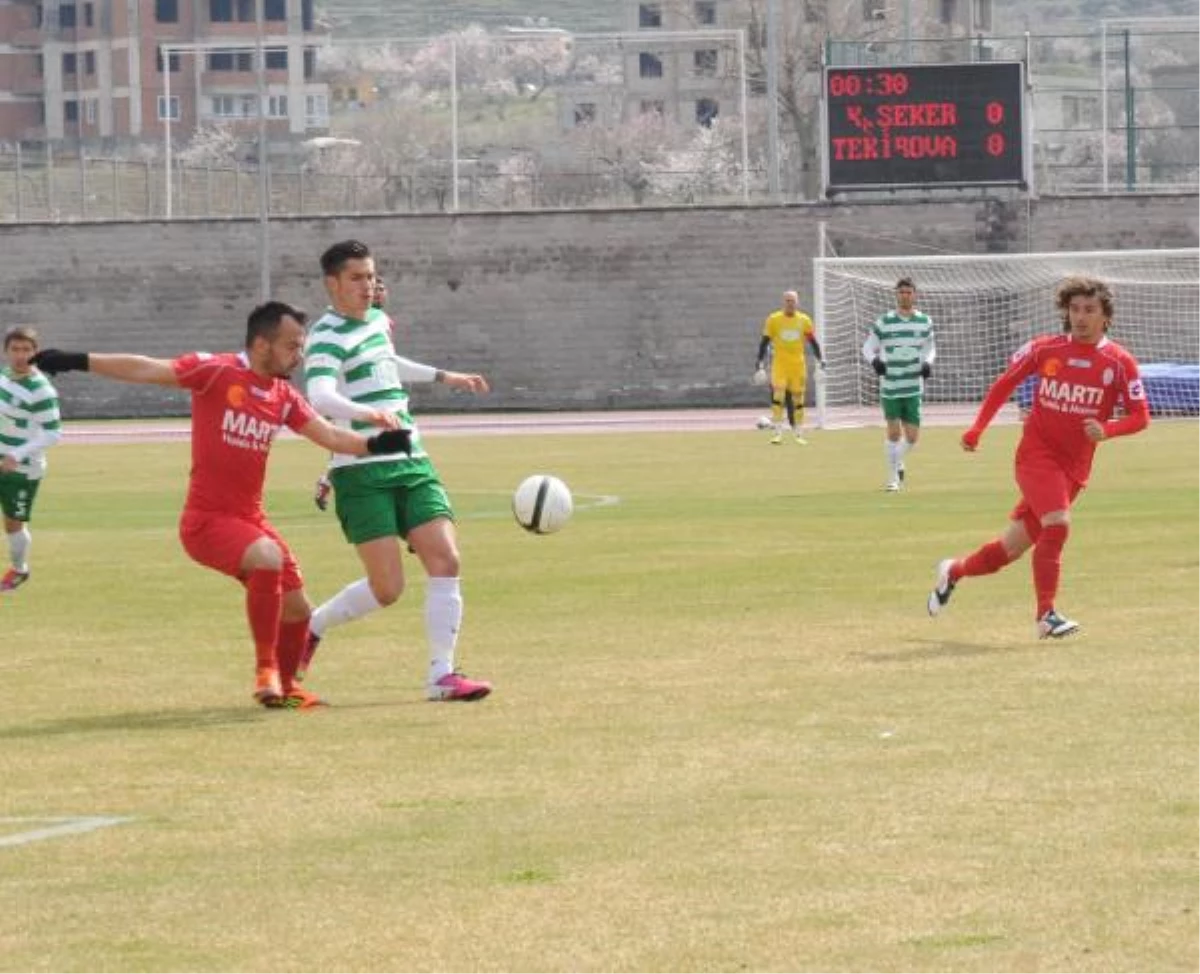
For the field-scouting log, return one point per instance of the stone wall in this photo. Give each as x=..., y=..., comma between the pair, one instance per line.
x=561, y=310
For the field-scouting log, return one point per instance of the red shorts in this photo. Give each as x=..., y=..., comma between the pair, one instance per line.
x=219, y=542
x=1044, y=489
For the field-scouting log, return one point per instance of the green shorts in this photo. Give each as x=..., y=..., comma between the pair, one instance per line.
x=388, y=499
x=16, y=495
x=907, y=409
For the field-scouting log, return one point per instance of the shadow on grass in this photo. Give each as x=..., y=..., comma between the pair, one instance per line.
x=138, y=720
x=937, y=649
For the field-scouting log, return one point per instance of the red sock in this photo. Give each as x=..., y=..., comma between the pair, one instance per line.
x=293, y=637
x=990, y=558
x=264, y=605
x=1047, y=565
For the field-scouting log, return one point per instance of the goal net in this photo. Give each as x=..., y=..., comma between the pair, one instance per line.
x=985, y=307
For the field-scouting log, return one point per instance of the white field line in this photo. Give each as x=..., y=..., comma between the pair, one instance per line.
x=64, y=825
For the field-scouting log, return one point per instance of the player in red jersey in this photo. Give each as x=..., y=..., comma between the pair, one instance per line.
x=1082, y=376
x=240, y=401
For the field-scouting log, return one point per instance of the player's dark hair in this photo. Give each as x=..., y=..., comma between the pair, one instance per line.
x=21, y=333
x=1087, y=287
x=905, y=282
x=336, y=257
x=264, y=321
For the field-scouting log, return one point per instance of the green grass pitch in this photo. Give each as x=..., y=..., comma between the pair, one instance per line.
x=725, y=735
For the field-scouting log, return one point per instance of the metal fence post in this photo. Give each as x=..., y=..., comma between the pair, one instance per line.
x=20, y=176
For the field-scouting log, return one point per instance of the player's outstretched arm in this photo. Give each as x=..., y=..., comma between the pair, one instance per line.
x=1023, y=365
x=468, y=381
x=338, y=440
x=124, y=368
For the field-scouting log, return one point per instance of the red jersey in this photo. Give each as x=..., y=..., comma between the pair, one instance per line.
x=235, y=416
x=1074, y=382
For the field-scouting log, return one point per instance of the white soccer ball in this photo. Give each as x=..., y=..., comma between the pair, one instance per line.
x=763, y=423
x=542, y=504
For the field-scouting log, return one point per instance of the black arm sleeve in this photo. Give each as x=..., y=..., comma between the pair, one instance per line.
x=816, y=347
x=762, y=348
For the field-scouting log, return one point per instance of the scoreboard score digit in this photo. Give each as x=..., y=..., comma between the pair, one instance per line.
x=918, y=126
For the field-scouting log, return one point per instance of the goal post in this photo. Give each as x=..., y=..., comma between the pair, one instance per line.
x=985, y=307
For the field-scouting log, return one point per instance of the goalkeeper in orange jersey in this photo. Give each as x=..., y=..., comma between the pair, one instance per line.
x=786, y=333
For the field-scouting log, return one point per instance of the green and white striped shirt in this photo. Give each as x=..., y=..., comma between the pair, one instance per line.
x=360, y=356
x=30, y=422
x=903, y=344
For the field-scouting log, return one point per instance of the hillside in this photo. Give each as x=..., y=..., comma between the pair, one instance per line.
x=424, y=18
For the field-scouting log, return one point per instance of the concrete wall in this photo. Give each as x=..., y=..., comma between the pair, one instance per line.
x=562, y=310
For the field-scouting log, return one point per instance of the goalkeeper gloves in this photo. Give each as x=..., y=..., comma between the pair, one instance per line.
x=53, y=360
x=926, y=370
x=390, y=441
x=878, y=365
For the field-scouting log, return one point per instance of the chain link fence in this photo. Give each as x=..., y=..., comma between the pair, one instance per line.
x=546, y=119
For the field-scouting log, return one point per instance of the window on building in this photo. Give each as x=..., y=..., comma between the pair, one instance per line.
x=70, y=111
x=649, y=65
x=1080, y=111
x=37, y=15
x=307, y=18
x=649, y=15
x=39, y=66
x=166, y=11
x=949, y=11
x=983, y=14
x=316, y=110
x=220, y=61
x=68, y=63
x=222, y=106
x=89, y=111
x=707, y=111
x=247, y=11
x=89, y=62
x=66, y=15
x=585, y=113
x=277, y=58
x=89, y=15
x=168, y=107
x=275, y=10
x=174, y=61
x=277, y=106
x=706, y=13
x=220, y=11
x=653, y=106
x=704, y=64
x=249, y=105
x=310, y=63
x=873, y=10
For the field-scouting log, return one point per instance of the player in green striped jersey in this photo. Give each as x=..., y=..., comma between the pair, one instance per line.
x=354, y=376
x=29, y=425
x=901, y=350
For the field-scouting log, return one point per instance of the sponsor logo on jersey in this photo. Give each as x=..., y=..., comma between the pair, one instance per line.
x=1079, y=363
x=247, y=433
x=1021, y=352
x=1069, y=397
x=790, y=335
x=1137, y=390
x=236, y=396
x=258, y=393
x=1051, y=366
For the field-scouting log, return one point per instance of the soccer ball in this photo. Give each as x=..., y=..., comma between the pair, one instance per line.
x=542, y=504
x=763, y=423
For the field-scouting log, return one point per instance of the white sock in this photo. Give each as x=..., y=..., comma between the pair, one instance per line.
x=19, y=543
x=893, y=459
x=903, y=446
x=443, y=616
x=353, y=602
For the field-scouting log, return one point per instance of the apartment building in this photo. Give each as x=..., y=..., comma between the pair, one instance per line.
x=92, y=71
x=697, y=78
